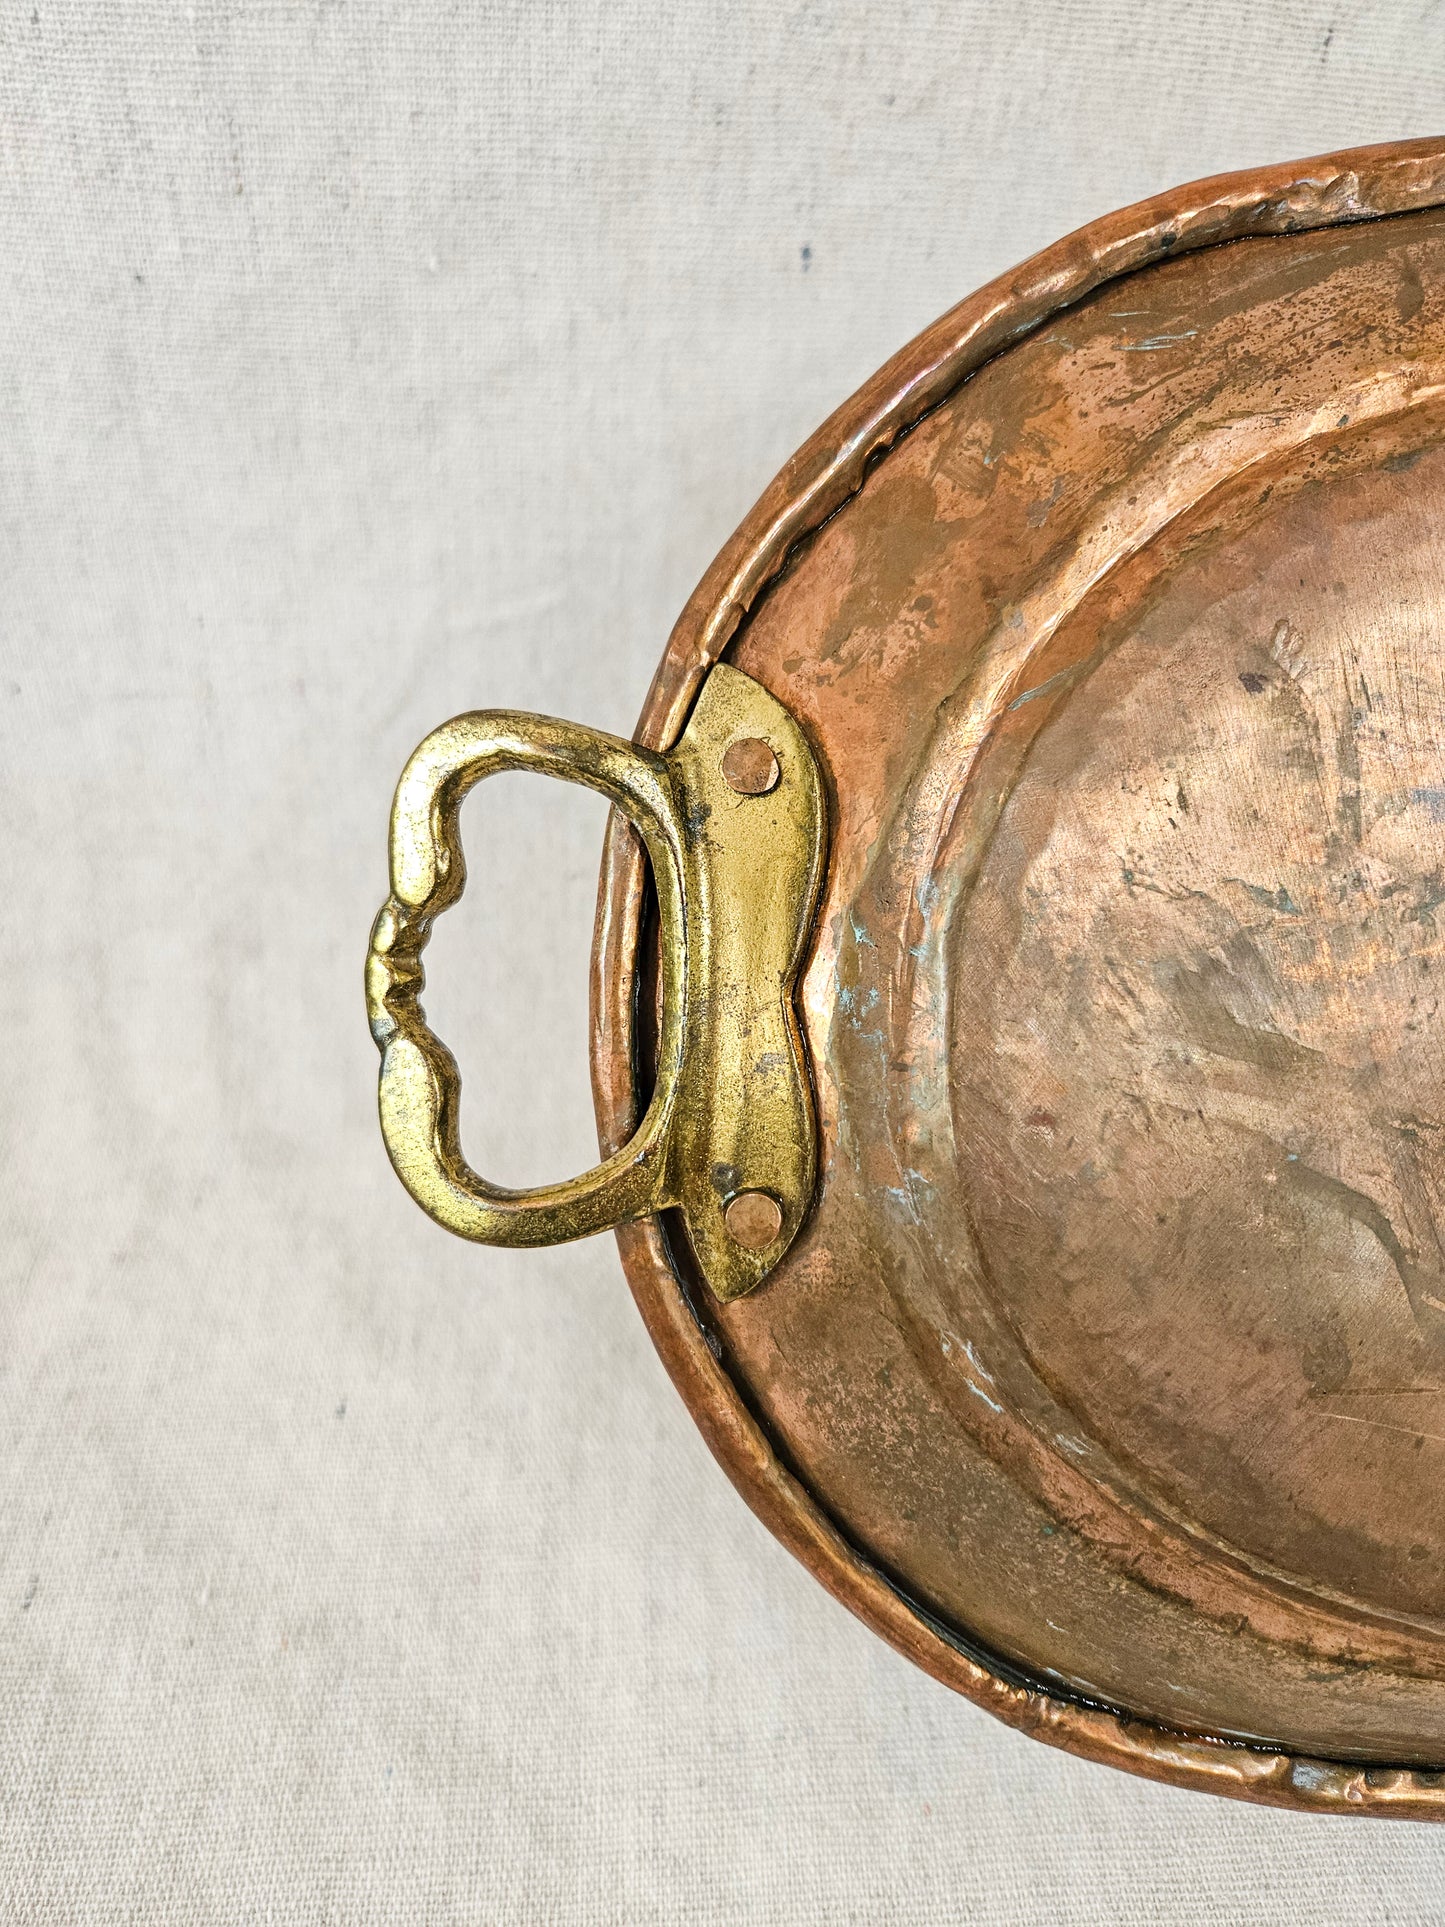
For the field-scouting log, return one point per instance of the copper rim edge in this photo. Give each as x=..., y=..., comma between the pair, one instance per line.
x=1359, y=184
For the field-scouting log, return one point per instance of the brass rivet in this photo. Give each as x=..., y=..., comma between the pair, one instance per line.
x=753, y=1220
x=750, y=766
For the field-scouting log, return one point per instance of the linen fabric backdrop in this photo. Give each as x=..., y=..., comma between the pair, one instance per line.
x=364, y=363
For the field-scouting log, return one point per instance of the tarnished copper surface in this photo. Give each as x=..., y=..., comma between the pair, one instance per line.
x=1107, y=1379
x=754, y=1220
x=750, y=766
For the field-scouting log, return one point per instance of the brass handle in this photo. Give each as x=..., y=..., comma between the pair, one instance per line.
x=732, y=819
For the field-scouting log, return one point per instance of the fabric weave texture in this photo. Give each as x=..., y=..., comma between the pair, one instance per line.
x=366, y=362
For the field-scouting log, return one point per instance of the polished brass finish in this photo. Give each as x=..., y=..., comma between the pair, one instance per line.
x=750, y=766
x=736, y=877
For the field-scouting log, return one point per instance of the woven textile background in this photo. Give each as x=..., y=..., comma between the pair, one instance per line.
x=363, y=363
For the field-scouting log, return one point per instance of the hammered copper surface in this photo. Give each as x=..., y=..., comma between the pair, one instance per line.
x=1123, y=1006
x=1116, y=1342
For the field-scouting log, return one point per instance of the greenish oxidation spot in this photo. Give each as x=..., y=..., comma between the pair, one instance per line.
x=1278, y=900
x=1042, y=689
x=856, y=1005
x=899, y=1195
x=977, y=1363
x=855, y=998
x=926, y=897
x=907, y=1198
x=1433, y=802
x=1038, y=512
x=949, y=1343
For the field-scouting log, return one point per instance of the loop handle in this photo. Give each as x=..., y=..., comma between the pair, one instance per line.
x=420, y=1088
x=732, y=820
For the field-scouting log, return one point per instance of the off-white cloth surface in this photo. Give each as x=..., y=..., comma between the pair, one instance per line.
x=364, y=363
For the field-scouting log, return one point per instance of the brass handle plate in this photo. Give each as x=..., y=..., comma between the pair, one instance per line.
x=732, y=819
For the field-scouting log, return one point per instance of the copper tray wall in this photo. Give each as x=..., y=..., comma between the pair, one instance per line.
x=784, y=1385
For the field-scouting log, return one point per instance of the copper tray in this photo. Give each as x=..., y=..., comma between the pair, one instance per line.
x=1041, y=1200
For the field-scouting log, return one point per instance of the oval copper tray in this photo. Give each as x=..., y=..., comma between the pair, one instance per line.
x=1102, y=1367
